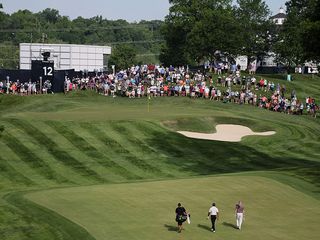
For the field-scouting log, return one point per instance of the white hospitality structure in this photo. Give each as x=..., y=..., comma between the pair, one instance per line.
x=66, y=56
x=242, y=61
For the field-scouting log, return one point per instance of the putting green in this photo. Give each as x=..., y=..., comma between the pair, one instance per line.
x=146, y=210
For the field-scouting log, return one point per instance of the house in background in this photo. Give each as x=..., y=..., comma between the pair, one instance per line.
x=279, y=18
x=270, y=60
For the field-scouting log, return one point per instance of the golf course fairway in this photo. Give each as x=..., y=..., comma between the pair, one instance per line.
x=146, y=210
x=83, y=166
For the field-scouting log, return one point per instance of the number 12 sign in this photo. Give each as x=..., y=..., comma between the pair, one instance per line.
x=43, y=69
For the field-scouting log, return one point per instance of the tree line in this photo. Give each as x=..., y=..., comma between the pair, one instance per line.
x=194, y=31
x=48, y=26
x=300, y=36
x=206, y=30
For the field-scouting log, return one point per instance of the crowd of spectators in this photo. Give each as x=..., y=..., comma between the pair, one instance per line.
x=25, y=88
x=227, y=85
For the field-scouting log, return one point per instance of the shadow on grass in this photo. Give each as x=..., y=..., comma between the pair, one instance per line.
x=171, y=228
x=207, y=157
x=205, y=227
x=229, y=225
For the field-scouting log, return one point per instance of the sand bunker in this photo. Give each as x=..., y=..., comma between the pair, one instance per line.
x=226, y=133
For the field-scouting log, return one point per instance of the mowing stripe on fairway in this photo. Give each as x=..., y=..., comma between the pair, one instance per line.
x=55, y=151
x=78, y=142
x=23, y=167
x=81, y=144
x=132, y=143
x=139, y=143
x=31, y=159
x=110, y=149
x=122, y=154
x=12, y=174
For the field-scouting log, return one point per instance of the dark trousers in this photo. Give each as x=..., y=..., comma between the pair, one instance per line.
x=213, y=221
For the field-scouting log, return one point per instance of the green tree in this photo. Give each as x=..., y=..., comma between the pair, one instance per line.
x=256, y=35
x=215, y=32
x=50, y=15
x=300, y=35
x=289, y=47
x=174, y=51
x=9, y=56
x=26, y=22
x=123, y=56
x=49, y=26
x=195, y=30
x=200, y=30
x=311, y=31
x=3, y=19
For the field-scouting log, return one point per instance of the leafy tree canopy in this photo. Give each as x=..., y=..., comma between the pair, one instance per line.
x=200, y=30
x=300, y=36
x=123, y=57
x=48, y=26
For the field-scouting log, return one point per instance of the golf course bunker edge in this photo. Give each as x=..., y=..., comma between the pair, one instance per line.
x=226, y=133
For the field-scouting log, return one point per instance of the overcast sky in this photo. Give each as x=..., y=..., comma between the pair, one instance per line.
x=130, y=10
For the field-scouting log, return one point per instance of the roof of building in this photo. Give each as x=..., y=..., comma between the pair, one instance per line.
x=279, y=15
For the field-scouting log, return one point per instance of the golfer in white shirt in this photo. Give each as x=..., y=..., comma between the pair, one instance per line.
x=214, y=215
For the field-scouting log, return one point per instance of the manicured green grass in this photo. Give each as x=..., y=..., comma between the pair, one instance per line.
x=84, y=139
x=146, y=210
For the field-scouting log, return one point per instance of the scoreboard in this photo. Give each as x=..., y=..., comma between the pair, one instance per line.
x=43, y=69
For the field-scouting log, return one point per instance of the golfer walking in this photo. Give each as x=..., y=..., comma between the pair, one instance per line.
x=214, y=215
x=239, y=212
x=181, y=216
